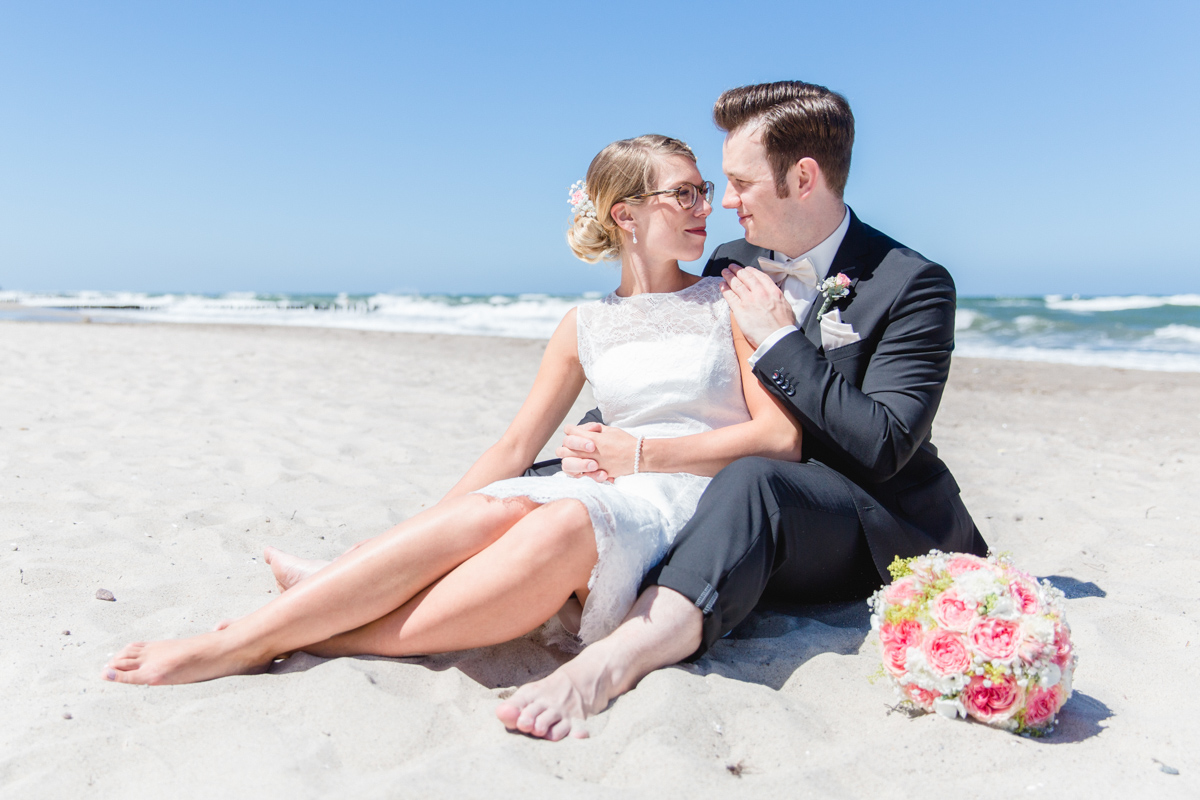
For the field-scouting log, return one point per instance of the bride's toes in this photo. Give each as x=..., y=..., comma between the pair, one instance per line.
x=128, y=654
x=129, y=675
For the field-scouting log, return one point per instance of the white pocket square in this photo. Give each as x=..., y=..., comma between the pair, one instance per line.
x=835, y=333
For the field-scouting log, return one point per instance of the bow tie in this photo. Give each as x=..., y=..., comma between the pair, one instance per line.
x=802, y=270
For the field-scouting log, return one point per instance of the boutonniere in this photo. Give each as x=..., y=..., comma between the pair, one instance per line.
x=832, y=289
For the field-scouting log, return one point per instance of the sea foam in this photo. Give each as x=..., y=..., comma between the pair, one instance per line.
x=1134, y=332
x=1120, y=303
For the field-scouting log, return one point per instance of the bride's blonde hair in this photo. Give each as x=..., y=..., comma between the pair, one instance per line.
x=619, y=171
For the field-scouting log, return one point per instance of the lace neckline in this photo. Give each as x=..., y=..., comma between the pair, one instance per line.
x=614, y=297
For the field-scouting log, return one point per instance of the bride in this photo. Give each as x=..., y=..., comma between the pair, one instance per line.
x=499, y=555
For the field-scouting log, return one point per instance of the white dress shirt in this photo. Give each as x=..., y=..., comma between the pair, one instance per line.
x=799, y=294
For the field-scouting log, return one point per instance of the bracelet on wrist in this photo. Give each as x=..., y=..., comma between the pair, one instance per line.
x=637, y=455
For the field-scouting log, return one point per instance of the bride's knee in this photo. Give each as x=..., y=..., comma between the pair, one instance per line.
x=569, y=514
x=565, y=523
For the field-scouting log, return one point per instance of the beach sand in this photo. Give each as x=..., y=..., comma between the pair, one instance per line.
x=155, y=461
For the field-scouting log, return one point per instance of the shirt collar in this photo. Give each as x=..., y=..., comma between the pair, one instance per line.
x=823, y=254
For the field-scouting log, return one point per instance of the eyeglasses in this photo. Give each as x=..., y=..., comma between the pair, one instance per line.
x=686, y=195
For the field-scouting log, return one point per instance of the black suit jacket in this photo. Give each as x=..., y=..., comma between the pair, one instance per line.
x=867, y=408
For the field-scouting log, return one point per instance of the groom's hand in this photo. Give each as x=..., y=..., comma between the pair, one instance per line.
x=578, y=451
x=759, y=305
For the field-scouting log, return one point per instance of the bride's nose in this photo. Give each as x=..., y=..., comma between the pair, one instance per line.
x=703, y=208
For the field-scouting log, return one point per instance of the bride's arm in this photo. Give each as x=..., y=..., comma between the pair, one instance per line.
x=771, y=432
x=558, y=381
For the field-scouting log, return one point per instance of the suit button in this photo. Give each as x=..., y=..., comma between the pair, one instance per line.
x=775, y=375
x=789, y=391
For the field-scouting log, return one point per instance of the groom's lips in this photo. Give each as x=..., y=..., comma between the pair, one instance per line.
x=698, y=231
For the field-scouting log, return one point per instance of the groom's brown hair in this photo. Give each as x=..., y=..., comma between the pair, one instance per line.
x=799, y=120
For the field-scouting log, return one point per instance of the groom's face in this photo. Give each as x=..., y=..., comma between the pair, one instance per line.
x=765, y=215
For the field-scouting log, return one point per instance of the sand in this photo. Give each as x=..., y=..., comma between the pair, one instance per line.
x=155, y=461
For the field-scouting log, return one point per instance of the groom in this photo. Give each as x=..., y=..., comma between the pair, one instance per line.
x=859, y=361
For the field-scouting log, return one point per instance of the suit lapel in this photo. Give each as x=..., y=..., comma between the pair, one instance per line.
x=848, y=260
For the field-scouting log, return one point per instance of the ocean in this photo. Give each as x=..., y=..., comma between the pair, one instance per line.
x=1148, y=332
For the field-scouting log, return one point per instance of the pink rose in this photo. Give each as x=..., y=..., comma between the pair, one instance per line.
x=946, y=652
x=1041, y=705
x=842, y=281
x=896, y=639
x=901, y=592
x=907, y=633
x=953, y=612
x=922, y=697
x=1064, y=648
x=1024, y=595
x=895, y=658
x=994, y=703
x=995, y=638
x=964, y=563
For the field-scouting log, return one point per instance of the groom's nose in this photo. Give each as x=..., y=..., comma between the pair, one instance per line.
x=730, y=199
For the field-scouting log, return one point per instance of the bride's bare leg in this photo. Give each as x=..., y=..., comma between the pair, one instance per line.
x=501, y=593
x=362, y=585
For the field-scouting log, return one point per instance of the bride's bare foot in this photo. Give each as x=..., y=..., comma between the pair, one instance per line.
x=288, y=569
x=199, y=658
x=557, y=706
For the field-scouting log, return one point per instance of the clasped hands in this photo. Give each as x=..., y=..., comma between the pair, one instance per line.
x=600, y=452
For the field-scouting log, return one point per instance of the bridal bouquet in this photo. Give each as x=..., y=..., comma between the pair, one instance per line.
x=967, y=636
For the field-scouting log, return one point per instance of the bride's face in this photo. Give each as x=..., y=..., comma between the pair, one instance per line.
x=665, y=230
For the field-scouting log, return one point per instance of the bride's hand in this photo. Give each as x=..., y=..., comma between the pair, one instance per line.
x=577, y=452
x=595, y=450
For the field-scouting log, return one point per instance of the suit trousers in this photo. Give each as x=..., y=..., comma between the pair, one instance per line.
x=778, y=529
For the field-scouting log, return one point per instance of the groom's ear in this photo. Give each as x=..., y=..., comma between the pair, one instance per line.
x=805, y=176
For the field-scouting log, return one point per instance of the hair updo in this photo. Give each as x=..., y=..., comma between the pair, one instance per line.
x=624, y=168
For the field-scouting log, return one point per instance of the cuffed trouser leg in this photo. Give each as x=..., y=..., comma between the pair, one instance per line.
x=779, y=528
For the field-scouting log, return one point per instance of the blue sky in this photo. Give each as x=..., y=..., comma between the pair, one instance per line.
x=363, y=147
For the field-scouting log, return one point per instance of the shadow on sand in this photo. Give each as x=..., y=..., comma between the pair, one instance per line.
x=1079, y=719
x=766, y=648
x=776, y=640
x=509, y=664
x=756, y=651
x=1075, y=589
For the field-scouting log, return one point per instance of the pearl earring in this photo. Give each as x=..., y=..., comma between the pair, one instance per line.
x=634, y=235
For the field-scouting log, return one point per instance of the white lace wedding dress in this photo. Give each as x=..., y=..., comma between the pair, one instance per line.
x=660, y=366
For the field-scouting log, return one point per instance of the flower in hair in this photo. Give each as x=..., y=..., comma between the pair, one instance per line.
x=579, y=200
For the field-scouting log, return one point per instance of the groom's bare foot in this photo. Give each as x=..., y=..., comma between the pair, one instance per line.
x=288, y=569
x=662, y=628
x=199, y=658
x=557, y=706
